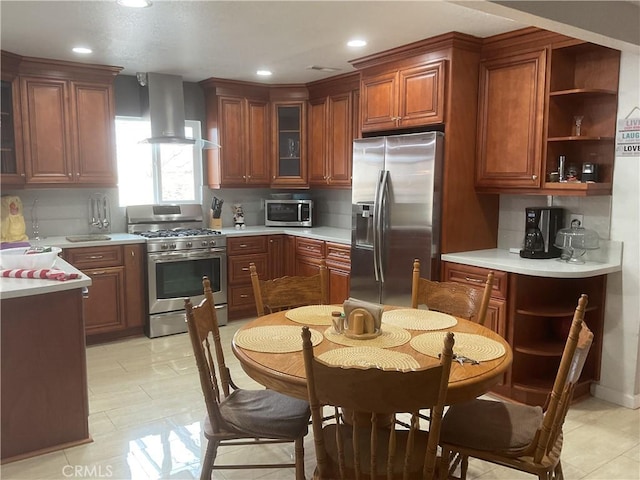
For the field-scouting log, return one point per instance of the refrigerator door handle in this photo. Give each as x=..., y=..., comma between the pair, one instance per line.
x=379, y=224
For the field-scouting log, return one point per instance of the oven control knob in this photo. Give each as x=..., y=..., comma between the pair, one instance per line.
x=164, y=246
x=204, y=243
x=212, y=243
x=172, y=246
x=189, y=245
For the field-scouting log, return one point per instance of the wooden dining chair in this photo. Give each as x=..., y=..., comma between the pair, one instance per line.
x=237, y=416
x=453, y=298
x=522, y=437
x=288, y=292
x=351, y=447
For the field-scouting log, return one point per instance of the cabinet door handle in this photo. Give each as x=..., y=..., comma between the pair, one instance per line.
x=95, y=257
x=473, y=280
x=244, y=296
x=101, y=272
x=534, y=177
x=243, y=245
x=244, y=269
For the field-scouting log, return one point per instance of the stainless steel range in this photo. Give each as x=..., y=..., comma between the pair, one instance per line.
x=180, y=251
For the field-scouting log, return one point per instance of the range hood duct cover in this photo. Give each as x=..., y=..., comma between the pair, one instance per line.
x=166, y=110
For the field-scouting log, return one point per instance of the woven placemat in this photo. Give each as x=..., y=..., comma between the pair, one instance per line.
x=391, y=336
x=312, y=314
x=274, y=338
x=470, y=345
x=368, y=357
x=415, y=319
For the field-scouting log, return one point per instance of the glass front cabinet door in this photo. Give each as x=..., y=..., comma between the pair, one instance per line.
x=290, y=165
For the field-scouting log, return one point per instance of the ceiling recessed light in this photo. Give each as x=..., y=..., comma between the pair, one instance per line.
x=134, y=3
x=83, y=50
x=264, y=73
x=356, y=43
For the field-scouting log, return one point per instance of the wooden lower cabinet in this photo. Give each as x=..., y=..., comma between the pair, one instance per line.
x=309, y=254
x=115, y=305
x=44, y=399
x=241, y=251
x=534, y=315
x=339, y=266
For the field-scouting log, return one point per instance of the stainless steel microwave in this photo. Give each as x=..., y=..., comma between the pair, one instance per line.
x=288, y=213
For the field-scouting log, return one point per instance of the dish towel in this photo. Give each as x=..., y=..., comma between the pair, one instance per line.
x=42, y=273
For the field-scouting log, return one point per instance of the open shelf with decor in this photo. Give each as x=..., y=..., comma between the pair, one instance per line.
x=582, y=108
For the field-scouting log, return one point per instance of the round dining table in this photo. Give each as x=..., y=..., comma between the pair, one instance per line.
x=285, y=373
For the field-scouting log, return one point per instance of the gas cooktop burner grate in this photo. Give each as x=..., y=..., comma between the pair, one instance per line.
x=179, y=232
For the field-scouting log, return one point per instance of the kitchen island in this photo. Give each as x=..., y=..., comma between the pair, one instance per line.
x=44, y=398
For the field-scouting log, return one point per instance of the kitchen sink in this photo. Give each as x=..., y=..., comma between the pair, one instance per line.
x=88, y=238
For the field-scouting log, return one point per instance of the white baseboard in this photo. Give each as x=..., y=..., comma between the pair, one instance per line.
x=614, y=396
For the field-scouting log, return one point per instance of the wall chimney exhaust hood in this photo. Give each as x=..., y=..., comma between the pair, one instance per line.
x=166, y=110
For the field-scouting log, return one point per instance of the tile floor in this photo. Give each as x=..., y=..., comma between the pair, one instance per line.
x=146, y=407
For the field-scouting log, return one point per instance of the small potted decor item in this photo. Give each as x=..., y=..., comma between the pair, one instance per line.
x=238, y=216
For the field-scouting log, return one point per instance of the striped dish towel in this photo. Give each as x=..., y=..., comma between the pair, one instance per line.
x=43, y=273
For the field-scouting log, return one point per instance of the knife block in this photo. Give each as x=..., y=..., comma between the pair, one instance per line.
x=215, y=223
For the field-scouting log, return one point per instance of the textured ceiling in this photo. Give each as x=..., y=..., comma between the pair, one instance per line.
x=202, y=39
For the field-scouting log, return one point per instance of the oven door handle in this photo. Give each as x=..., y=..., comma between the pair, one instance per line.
x=173, y=256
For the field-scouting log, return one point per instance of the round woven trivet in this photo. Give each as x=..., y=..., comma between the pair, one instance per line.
x=415, y=319
x=368, y=357
x=468, y=345
x=312, y=314
x=274, y=338
x=391, y=336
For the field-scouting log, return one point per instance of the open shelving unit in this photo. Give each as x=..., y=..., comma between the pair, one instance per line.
x=583, y=81
x=539, y=327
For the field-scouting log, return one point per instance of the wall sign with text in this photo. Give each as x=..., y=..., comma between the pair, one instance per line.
x=628, y=137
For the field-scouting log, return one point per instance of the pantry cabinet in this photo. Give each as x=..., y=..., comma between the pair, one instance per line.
x=403, y=97
x=114, y=305
x=534, y=87
x=332, y=114
x=238, y=119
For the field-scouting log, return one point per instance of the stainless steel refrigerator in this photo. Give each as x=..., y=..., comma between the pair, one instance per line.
x=395, y=214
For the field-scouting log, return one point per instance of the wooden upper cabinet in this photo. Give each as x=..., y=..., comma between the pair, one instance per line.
x=11, y=163
x=533, y=84
x=331, y=127
x=93, y=115
x=510, y=120
x=68, y=123
x=238, y=119
x=289, y=162
x=46, y=130
x=403, y=98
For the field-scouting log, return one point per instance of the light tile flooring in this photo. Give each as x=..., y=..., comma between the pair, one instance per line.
x=146, y=407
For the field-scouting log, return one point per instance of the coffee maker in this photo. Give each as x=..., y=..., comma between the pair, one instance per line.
x=541, y=226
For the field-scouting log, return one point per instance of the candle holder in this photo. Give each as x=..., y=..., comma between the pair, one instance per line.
x=577, y=125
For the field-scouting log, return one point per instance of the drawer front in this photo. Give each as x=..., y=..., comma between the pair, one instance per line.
x=239, y=268
x=245, y=245
x=308, y=247
x=476, y=276
x=241, y=296
x=94, y=256
x=338, y=253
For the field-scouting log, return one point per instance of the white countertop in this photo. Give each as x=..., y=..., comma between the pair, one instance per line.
x=116, y=239
x=607, y=260
x=24, y=287
x=329, y=234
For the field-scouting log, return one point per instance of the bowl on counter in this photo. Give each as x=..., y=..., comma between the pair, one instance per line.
x=575, y=242
x=13, y=258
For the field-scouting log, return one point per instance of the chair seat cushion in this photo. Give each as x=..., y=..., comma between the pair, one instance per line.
x=490, y=426
x=265, y=413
